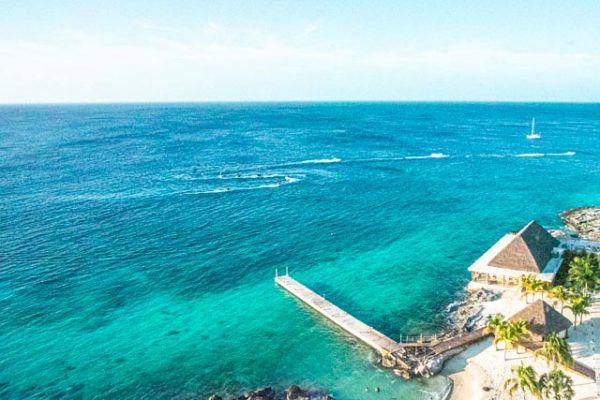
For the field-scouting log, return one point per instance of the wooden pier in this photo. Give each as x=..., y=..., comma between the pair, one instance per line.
x=360, y=330
x=459, y=341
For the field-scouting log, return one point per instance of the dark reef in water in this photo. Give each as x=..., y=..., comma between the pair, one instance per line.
x=292, y=393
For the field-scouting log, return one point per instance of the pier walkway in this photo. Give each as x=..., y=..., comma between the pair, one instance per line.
x=362, y=331
x=460, y=341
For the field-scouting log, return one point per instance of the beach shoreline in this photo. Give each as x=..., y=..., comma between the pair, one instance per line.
x=480, y=370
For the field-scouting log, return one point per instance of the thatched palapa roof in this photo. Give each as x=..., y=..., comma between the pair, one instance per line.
x=528, y=251
x=542, y=318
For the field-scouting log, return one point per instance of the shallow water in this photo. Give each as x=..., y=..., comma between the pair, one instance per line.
x=138, y=242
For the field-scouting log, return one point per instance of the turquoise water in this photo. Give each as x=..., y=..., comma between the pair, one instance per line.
x=139, y=242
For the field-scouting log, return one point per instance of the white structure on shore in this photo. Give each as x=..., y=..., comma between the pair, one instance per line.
x=531, y=251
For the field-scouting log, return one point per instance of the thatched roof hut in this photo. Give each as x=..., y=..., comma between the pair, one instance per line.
x=528, y=251
x=542, y=319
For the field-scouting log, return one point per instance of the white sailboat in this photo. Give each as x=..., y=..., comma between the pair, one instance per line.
x=533, y=135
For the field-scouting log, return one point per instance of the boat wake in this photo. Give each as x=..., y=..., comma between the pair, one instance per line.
x=405, y=158
x=432, y=155
x=565, y=154
x=238, y=181
x=526, y=155
x=530, y=155
x=316, y=161
x=241, y=182
x=319, y=161
x=250, y=176
x=236, y=189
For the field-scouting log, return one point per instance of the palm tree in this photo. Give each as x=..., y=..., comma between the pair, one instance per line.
x=501, y=334
x=555, y=350
x=513, y=333
x=524, y=379
x=555, y=385
x=531, y=285
x=493, y=325
x=561, y=294
x=542, y=287
x=579, y=306
x=520, y=332
x=527, y=286
x=584, y=273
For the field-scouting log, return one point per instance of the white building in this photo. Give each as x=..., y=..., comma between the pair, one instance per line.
x=531, y=251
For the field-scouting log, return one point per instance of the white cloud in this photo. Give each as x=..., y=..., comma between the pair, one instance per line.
x=311, y=28
x=212, y=29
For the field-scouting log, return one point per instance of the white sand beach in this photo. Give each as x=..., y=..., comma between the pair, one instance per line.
x=481, y=370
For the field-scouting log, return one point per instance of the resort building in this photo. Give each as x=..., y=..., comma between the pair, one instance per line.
x=531, y=251
x=542, y=319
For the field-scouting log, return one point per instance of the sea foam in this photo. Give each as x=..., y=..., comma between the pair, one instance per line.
x=432, y=155
x=565, y=154
x=321, y=161
x=286, y=181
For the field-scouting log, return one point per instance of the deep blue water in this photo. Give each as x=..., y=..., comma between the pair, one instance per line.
x=138, y=242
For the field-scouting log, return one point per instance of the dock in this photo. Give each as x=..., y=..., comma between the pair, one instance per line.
x=368, y=335
x=383, y=344
x=460, y=341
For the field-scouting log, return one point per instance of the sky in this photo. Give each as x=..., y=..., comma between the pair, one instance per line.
x=180, y=50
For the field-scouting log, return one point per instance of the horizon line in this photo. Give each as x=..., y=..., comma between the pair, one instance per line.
x=283, y=101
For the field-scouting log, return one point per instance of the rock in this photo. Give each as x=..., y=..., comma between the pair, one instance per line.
x=388, y=361
x=292, y=393
x=261, y=394
x=454, y=306
x=295, y=393
x=264, y=394
x=215, y=397
x=421, y=370
x=435, y=365
x=473, y=319
x=402, y=373
x=584, y=220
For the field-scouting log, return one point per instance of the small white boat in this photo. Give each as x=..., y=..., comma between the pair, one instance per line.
x=533, y=135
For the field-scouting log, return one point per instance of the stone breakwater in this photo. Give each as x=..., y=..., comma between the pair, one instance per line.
x=583, y=220
x=463, y=316
x=292, y=393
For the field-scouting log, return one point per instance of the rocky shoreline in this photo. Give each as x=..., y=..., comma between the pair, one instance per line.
x=463, y=315
x=292, y=393
x=585, y=221
x=466, y=314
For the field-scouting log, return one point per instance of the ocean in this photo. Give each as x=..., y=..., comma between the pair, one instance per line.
x=138, y=242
